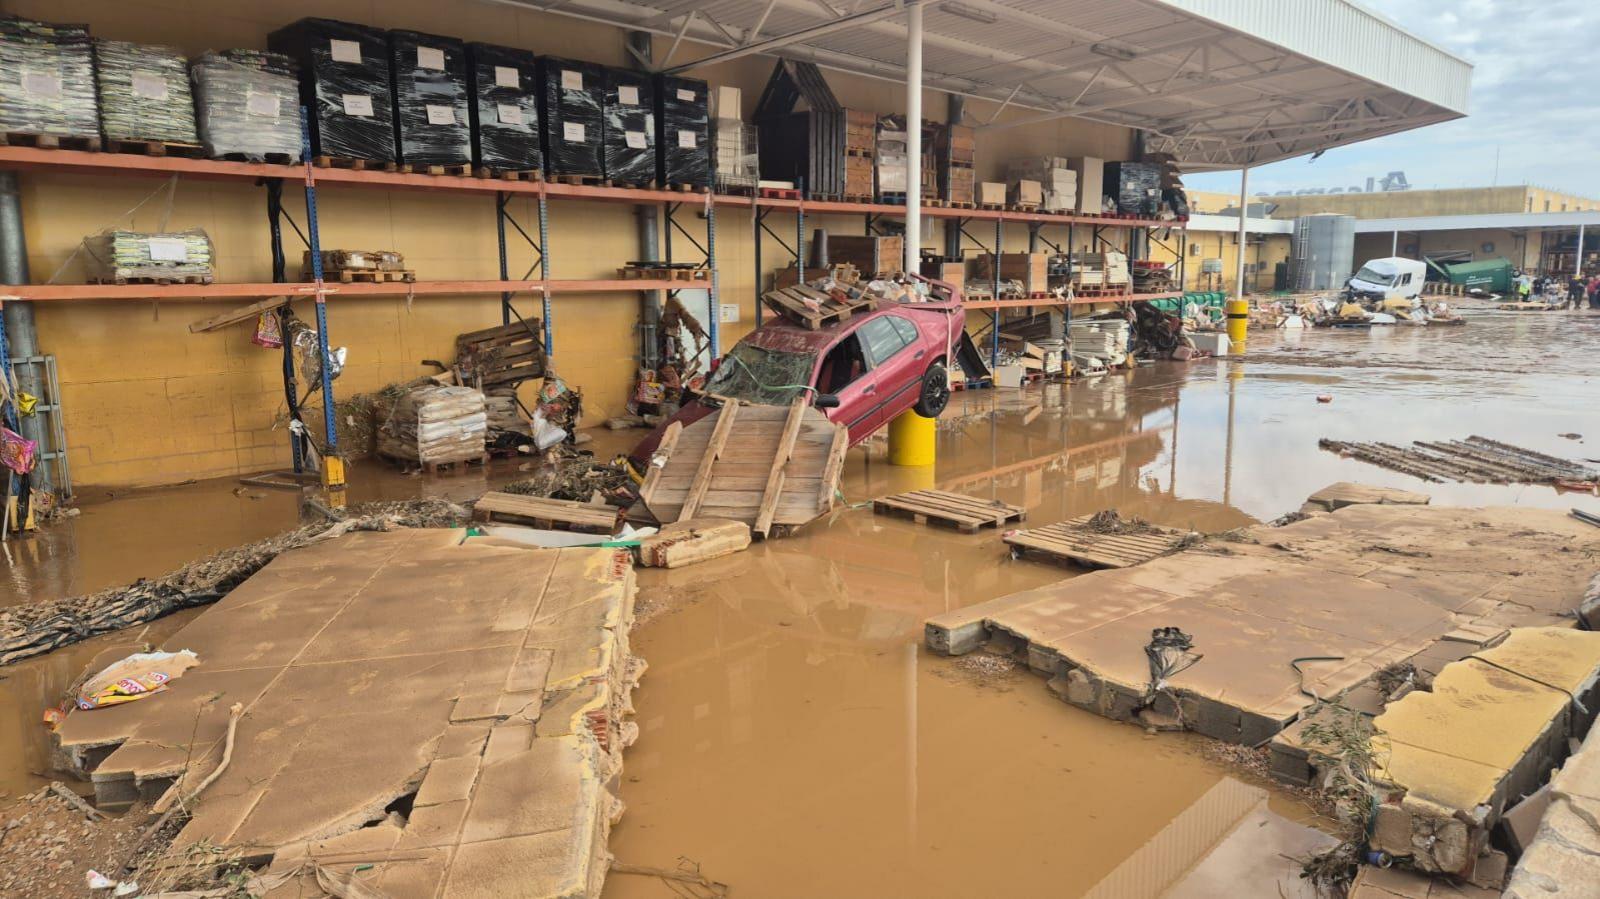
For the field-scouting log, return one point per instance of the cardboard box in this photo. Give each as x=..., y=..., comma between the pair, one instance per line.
x=1009, y=375
x=1091, y=180
x=992, y=193
x=725, y=102
x=1026, y=193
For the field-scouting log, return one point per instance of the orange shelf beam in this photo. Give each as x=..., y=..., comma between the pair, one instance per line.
x=88, y=292
x=1075, y=301
x=95, y=163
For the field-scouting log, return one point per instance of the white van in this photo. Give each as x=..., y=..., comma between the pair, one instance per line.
x=1380, y=279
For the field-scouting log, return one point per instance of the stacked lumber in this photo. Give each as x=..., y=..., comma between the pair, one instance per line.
x=434, y=425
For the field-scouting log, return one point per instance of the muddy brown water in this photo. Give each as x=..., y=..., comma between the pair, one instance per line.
x=795, y=738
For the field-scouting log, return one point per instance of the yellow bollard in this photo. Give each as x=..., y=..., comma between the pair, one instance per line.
x=1238, y=325
x=912, y=440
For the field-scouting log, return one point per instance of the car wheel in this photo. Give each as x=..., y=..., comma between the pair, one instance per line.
x=935, y=393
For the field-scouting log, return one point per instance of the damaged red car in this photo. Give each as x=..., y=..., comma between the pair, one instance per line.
x=862, y=372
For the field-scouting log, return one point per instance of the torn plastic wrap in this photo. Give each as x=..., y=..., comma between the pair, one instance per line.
x=1135, y=186
x=630, y=129
x=503, y=87
x=431, y=119
x=144, y=92
x=116, y=257
x=47, y=79
x=344, y=83
x=573, y=96
x=248, y=105
x=684, y=110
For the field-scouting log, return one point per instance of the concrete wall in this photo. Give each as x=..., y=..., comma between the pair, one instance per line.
x=1416, y=203
x=147, y=402
x=1264, y=251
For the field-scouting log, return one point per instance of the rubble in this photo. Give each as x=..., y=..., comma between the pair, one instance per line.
x=1563, y=859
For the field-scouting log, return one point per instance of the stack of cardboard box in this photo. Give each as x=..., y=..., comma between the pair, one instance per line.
x=1057, y=180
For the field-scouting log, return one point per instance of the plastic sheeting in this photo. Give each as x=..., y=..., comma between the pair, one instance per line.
x=1135, y=186
x=47, y=79
x=683, y=105
x=144, y=92
x=431, y=119
x=344, y=82
x=503, y=87
x=630, y=128
x=117, y=256
x=571, y=108
x=248, y=104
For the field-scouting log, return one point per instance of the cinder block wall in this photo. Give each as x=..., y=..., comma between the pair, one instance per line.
x=147, y=402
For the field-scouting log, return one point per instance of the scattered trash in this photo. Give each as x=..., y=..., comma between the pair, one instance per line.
x=98, y=881
x=1571, y=436
x=135, y=677
x=1324, y=397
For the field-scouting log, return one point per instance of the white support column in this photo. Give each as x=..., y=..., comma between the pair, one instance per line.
x=1244, y=214
x=1577, y=261
x=1394, y=244
x=914, y=139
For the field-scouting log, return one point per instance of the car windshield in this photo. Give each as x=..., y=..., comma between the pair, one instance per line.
x=1373, y=276
x=756, y=375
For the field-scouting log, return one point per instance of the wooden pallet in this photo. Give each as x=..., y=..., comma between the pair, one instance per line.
x=813, y=309
x=508, y=354
x=779, y=193
x=689, y=188
x=992, y=207
x=1072, y=541
x=155, y=148
x=893, y=198
x=364, y=276
x=859, y=151
x=632, y=185
x=357, y=165
x=539, y=512
x=271, y=158
x=180, y=279
x=50, y=141
x=1024, y=207
x=664, y=273
x=579, y=180
x=858, y=198
x=508, y=174
x=458, y=466
x=964, y=513
x=424, y=168
x=771, y=467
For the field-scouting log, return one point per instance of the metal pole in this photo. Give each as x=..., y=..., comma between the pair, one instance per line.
x=914, y=140
x=994, y=352
x=715, y=309
x=956, y=106
x=500, y=199
x=640, y=44
x=1394, y=245
x=331, y=432
x=291, y=383
x=756, y=217
x=1577, y=262
x=21, y=335
x=1244, y=210
x=544, y=275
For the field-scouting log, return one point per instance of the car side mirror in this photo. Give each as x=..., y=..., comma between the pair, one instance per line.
x=826, y=401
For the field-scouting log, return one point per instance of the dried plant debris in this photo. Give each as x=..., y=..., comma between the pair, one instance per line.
x=1476, y=459
x=1109, y=521
x=574, y=474
x=33, y=629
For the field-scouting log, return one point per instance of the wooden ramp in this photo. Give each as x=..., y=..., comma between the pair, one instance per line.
x=964, y=513
x=1074, y=541
x=767, y=466
x=537, y=511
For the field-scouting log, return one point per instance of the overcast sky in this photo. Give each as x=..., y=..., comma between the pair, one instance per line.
x=1535, y=99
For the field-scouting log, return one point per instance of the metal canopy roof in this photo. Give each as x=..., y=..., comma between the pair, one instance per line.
x=1218, y=83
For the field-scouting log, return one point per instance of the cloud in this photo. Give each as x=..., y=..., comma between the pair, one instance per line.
x=1532, y=118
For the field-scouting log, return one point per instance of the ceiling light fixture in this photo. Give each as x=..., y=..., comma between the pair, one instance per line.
x=1115, y=51
x=971, y=13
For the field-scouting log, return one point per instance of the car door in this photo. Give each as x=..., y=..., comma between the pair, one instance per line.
x=844, y=372
x=896, y=365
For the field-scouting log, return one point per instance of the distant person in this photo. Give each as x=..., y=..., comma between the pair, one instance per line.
x=1594, y=292
x=1576, y=289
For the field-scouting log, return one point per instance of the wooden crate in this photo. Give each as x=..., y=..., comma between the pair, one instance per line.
x=871, y=255
x=860, y=132
x=509, y=354
x=1032, y=269
x=858, y=178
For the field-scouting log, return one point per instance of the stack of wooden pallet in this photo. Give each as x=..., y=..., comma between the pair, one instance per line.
x=816, y=309
x=503, y=356
x=351, y=266
x=956, y=157
x=860, y=145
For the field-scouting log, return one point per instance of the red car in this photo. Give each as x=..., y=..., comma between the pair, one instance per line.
x=863, y=371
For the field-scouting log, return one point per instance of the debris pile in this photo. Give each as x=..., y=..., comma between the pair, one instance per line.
x=30, y=630
x=1476, y=459
x=574, y=474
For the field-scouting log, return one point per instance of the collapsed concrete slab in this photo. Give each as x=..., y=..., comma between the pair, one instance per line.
x=1284, y=615
x=1563, y=861
x=451, y=714
x=1486, y=735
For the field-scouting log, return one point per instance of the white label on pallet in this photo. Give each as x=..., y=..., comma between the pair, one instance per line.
x=636, y=140
x=167, y=249
x=627, y=95
x=149, y=86
x=345, y=51
x=441, y=115
x=507, y=76
x=730, y=312
x=357, y=105
x=573, y=132
x=686, y=140
x=509, y=113
x=430, y=58
x=261, y=104
x=571, y=81
x=42, y=84
x=686, y=96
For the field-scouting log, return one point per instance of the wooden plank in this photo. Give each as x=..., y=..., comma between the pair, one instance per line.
x=780, y=459
x=243, y=313
x=664, y=450
x=835, y=465
x=702, y=476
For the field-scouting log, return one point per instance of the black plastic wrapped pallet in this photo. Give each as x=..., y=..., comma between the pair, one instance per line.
x=571, y=104
x=432, y=124
x=629, y=136
x=345, y=84
x=683, y=107
x=1135, y=186
x=503, y=86
x=47, y=79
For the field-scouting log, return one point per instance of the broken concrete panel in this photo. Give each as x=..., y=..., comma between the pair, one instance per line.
x=374, y=666
x=1563, y=858
x=1485, y=735
x=1334, y=497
